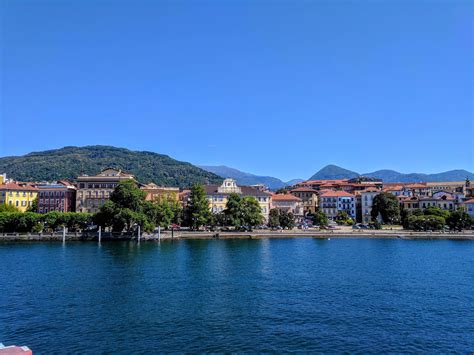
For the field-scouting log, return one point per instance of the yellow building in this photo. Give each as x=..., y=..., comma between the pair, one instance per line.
x=217, y=196
x=155, y=192
x=3, y=178
x=19, y=195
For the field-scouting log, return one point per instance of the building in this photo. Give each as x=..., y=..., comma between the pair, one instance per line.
x=333, y=202
x=469, y=207
x=19, y=195
x=155, y=192
x=93, y=191
x=60, y=197
x=217, y=196
x=445, y=202
x=397, y=190
x=3, y=178
x=288, y=203
x=349, y=185
x=448, y=186
x=410, y=203
x=366, y=200
x=309, y=197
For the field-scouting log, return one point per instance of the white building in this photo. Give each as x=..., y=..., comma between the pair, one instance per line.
x=469, y=205
x=366, y=200
x=332, y=202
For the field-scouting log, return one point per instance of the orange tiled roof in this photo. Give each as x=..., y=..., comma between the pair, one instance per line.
x=15, y=186
x=285, y=197
x=303, y=189
x=336, y=194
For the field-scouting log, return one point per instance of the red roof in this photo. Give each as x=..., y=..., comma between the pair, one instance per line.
x=469, y=201
x=303, y=189
x=371, y=189
x=285, y=197
x=14, y=186
x=336, y=194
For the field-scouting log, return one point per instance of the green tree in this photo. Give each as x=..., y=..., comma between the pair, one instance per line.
x=128, y=195
x=125, y=209
x=252, y=212
x=287, y=220
x=197, y=211
x=234, y=212
x=459, y=220
x=436, y=211
x=8, y=208
x=387, y=206
x=34, y=206
x=274, y=218
x=320, y=219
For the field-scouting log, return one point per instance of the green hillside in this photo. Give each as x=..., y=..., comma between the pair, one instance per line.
x=69, y=162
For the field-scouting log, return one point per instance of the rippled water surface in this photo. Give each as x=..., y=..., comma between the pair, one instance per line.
x=334, y=295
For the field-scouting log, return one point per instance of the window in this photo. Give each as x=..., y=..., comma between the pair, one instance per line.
x=17, y=203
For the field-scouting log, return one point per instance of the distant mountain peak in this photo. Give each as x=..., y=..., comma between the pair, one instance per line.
x=244, y=178
x=333, y=172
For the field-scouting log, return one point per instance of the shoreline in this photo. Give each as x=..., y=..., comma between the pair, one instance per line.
x=191, y=235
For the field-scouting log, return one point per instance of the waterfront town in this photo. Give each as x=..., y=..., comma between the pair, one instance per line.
x=347, y=199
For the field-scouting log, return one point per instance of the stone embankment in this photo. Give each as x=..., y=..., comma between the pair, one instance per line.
x=320, y=234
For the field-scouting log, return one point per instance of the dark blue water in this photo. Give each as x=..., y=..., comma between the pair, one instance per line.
x=351, y=295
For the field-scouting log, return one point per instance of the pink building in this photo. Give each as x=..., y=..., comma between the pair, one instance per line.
x=60, y=197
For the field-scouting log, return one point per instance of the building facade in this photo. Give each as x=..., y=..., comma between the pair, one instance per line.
x=19, y=195
x=94, y=191
x=309, y=198
x=217, y=196
x=155, y=192
x=60, y=197
x=366, y=200
x=333, y=202
x=469, y=207
x=288, y=203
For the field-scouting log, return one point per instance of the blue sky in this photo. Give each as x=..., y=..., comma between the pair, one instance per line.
x=276, y=88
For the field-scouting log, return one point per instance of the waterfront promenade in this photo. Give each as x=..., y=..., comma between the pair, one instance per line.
x=343, y=232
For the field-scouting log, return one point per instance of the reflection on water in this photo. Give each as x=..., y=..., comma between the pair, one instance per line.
x=239, y=295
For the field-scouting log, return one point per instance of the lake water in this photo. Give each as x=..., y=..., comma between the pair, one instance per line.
x=354, y=295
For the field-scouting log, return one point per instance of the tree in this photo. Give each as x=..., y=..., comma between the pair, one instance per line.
x=424, y=223
x=436, y=211
x=320, y=219
x=252, y=212
x=34, y=206
x=287, y=220
x=125, y=209
x=197, y=211
x=274, y=218
x=387, y=206
x=128, y=195
x=459, y=220
x=243, y=211
x=8, y=208
x=234, y=210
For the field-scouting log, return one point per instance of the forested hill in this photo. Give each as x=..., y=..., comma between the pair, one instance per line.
x=69, y=162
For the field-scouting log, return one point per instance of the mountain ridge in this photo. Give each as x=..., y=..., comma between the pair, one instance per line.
x=244, y=178
x=71, y=161
x=334, y=172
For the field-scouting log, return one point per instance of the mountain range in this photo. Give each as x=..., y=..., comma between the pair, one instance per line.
x=331, y=172
x=69, y=162
x=243, y=178
x=334, y=172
